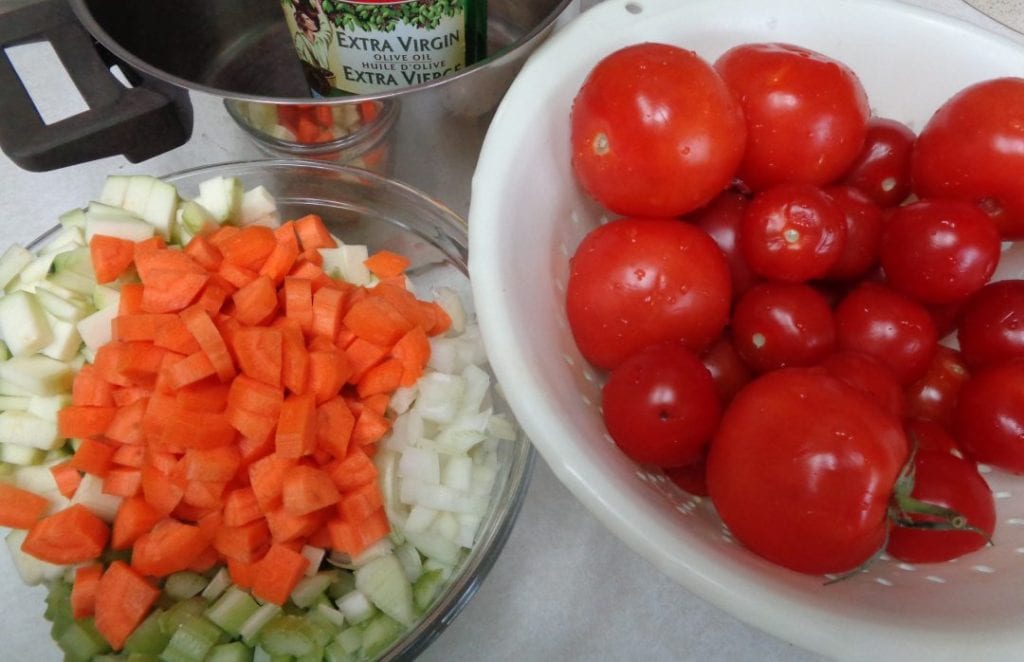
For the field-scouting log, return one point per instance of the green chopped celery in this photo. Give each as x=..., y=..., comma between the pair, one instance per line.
x=310, y=588
x=335, y=652
x=343, y=585
x=350, y=639
x=184, y=585
x=81, y=641
x=379, y=633
x=327, y=611
x=323, y=629
x=426, y=587
x=149, y=638
x=235, y=651
x=289, y=635
x=232, y=609
x=253, y=625
x=180, y=612
x=58, y=608
x=218, y=584
x=192, y=641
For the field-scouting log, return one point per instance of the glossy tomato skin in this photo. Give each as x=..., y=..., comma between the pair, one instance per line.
x=661, y=406
x=933, y=397
x=991, y=327
x=972, y=149
x=655, y=132
x=864, y=224
x=806, y=114
x=939, y=251
x=892, y=328
x=952, y=482
x=727, y=367
x=721, y=219
x=989, y=419
x=866, y=374
x=882, y=170
x=792, y=232
x=775, y=325
x=931, y=436
x=802, y=468
x=638, y=282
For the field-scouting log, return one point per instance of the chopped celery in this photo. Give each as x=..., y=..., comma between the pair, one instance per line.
x=383, y=581
x=426, y=588
x=148, y=638
x=343, y=584
x=192, y=641
x=315, y=656
x=232, y=609
x=332, y=615
x=379, y=633
x=289, y=635
x=184, y=585
x=58, y=608
x=350, y=639
x=334, y=652
x=81, y=641
x=253, y=625
x=310, y=588
x=235, y=651
x=180, y=612
x=323, y=629
x=218, y=584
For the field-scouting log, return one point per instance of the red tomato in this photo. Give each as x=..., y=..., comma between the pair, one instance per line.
x=637, y=282
x=989, y=419
x=882, y=323
x=972, y=149
x=951, y=482
x=806, y=114
x=933, y=396
x=866, y=374
x=722, y=219
x=793, y=232
x=775, y=325
x=939, y=251
x=864, y=225
x=655, y=132
x=930, y=436
x=882, y=171
x=692, y=478
x=802, y=469
x=661, y=406
x=991, y=326
x=727, y=367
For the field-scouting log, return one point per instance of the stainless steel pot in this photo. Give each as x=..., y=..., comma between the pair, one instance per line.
x=239, y=49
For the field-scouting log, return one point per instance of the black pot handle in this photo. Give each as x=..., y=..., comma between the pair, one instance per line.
x=139, y=122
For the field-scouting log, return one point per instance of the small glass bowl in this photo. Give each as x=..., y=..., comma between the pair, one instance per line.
x=355, y=134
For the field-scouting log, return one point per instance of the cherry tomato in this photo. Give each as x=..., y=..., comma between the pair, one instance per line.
x=933, y=396
x=692, y=478
x=775, y=325
x=939, y=251
x=727, y=367
x=952, y=482
x=930, y=436
x=793, y=232
x=972, y=149
x=655, y=132
x=637, y=282
x=806, y=114
x=989, y=419
x=991, y=326
x=661, y=406
x=882, y=323
x=866, y=374
x=882, y=170
x=722, y=219
x=864, y=225
x=802, y=469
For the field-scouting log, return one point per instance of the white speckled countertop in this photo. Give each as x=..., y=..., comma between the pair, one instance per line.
x=564, y=588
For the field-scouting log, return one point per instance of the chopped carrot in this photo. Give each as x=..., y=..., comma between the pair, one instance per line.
x=222, y=235
x=250, y=247
x=359, y=503
x=384, y=377
x=259, y=353
x=204, y=494
x=130, y=455
x=355, y=537
x=279, y=571
x=385, y=263
x=285, y=527
x=296, y=426
x=328, y=372
x=236, y=276
x=83, y=589
x=80, y=422
x=175, y=336
x=206, y=561
x=294, y=357
x=72, y=535
x=370, y=427
x=168, y=548
x=67, y=478
x=126, y=426
x=90, y=390
x=170, y=291
x=209, y=395
x=202, y=328
x=298, y=302
x=254, y=396
x=123, y=599
x=334, y=425
x=111, y=256
x=327, y=311
x=20, y=509
x=140, y=326
x=280, y=262
x=363, y=355
x=413, y=350
x=266, y=476
x=162, y=494
x=215, y=294
x=241, y=507
x=408, y=306
x=443, y=320
x=305, y=489
x=285, y=234
x=140, y=361
x=245, y=543
x=130, y=302
x=193, y=368
x=128, y=395
x=93, y=457
x=377, y=320
x=256, y=449
x=242, y=574
x=204, y=253
x=122, y=482
x=197, y=429
x=212, y=464
x=356, y=469
x=306, y=270
x=251, y=425
x=313, y=233
x=256, y=301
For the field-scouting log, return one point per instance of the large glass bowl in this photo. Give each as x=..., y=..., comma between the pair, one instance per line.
x=363, y=208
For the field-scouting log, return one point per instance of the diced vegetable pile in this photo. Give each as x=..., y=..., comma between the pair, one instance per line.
x=223, y=436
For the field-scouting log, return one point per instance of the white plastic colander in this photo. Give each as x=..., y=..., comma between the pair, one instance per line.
x=527, y=217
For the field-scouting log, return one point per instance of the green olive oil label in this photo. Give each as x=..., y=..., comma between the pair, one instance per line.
x=369, y=46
